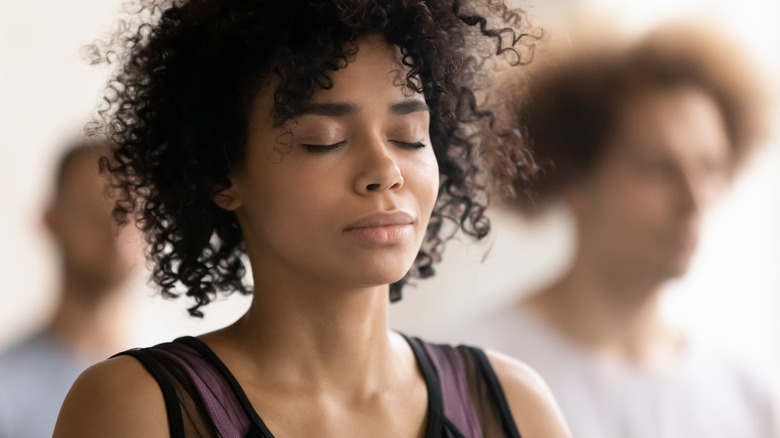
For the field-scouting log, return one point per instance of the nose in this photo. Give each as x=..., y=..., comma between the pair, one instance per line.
x=697, y=193
x=379, y=170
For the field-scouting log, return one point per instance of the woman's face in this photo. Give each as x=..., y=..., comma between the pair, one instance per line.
x=344, y=195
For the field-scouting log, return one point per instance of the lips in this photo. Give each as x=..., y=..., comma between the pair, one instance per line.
x=382, y=228
x=382, y=220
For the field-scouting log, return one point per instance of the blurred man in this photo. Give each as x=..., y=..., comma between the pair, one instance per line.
x=639, y=142
x=88, y=323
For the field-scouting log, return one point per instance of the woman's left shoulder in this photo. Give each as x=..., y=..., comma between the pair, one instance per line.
x=532, y=404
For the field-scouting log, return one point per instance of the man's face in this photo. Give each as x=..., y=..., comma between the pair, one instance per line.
x=93, y=251
x=668, y=159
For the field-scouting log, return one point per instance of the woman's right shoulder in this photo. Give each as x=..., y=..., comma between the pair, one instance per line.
x=116, y=398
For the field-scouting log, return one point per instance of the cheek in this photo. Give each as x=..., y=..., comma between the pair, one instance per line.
x=636, y=198
x=307, y=192
x=615, y=207
x=88, y=234
x=636, y=210
x=425, y=175
x=289, y=199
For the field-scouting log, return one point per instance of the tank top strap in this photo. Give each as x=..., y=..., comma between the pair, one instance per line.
x=200, y=397
x=457, y=406
x=488, y=393
x=473, y=400
x=167, y=386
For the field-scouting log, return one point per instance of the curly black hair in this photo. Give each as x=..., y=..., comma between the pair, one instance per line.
x=187, y=72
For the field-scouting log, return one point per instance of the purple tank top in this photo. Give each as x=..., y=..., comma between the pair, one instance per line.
x=203, y=398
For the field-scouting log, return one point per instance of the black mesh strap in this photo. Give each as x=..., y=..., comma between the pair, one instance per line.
x=175, y=423
x=497, y=392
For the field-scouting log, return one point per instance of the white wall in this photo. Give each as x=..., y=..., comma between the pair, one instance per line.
x=45, y=91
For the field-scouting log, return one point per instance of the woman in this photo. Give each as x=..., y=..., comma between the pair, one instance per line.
x=312, y=138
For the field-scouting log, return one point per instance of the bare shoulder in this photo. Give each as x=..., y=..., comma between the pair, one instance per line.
x=535, y=411
x=116, y=398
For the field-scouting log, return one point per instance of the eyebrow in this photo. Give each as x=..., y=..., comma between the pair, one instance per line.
x=330, y=109
x=347, y=108
x=408, y=107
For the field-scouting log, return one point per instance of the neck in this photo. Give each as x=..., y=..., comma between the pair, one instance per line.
x=614, y=317
x=90, y=323
x=312, y=336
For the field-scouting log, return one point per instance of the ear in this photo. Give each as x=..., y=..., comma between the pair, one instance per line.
x=50, y=218
x=228, y=198
x=574, y=195
x=51, y=222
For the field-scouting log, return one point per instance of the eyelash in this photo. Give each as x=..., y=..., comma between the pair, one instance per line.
x=321, y=149
x=416, y=145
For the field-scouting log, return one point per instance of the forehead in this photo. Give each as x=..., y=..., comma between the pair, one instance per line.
x=376, y=71
x=374, y=78
x=81, y=178
x=680, y=122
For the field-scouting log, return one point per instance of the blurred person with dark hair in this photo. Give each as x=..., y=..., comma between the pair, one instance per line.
x=638, y=141
x=87, y=326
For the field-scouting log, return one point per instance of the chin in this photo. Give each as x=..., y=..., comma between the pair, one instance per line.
x=378, y=277
x=383, y=280
x=672, y=271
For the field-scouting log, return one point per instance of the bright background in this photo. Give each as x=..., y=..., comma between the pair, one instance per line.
x=732, y=293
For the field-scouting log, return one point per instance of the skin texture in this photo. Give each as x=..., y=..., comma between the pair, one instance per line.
x=314, y=352
x=638, y=216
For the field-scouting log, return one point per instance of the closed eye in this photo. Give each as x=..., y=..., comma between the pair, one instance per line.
x=406, y=145
x=321, y=149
